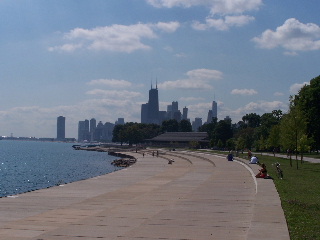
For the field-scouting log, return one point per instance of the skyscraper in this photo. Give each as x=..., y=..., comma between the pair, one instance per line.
x=61, y=128
x=153, y=105
x=196, y=124
x=209, y=118
x=144, y=113
x=214, y=109
x=150, y=110
x=93, y=125
x=175, y=106
x=185, y=113
x=120, y=121
x=83, y=131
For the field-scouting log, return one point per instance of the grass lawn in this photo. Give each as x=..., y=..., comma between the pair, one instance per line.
x=300, y=196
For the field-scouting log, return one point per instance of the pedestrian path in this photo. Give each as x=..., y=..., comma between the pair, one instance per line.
x=196, y=197
x=307, y=159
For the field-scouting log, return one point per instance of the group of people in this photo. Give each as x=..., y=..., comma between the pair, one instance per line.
x=263, y=171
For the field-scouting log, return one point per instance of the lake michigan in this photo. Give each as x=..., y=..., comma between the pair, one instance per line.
x=31, y=165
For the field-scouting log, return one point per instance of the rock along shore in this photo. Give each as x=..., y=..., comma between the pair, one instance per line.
x=124, y=161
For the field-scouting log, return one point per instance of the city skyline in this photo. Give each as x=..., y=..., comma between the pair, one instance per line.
x=97, y=59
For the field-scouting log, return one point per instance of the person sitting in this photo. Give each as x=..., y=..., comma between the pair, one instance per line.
x=230, y=157
x=254, y=160
x=262, y=172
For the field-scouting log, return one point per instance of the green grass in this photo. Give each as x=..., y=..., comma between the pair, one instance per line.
x=299, y=192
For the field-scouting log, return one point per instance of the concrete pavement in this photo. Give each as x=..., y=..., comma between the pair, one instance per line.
x=197, y=197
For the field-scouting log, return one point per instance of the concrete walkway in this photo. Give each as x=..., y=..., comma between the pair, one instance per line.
x=197, y=197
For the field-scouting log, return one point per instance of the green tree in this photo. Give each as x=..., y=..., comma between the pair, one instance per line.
x=222, y=131
x=274, y=137
x=245, y=138
x=293, y=127
x=220, y=144
x=209, y=127
x=261, y=144
x=185, y=126
x=304, y=145
x=170, y=125
x=231, y=144
x=267, y=121
x=149, y=130
x=118, y=134
x=252, y=120
x=240, y=143
x=133, y=134
x=308, y=100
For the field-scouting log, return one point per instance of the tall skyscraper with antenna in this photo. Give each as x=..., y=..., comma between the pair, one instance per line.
x=214, y=109
x=150, y=110
x=213, y=112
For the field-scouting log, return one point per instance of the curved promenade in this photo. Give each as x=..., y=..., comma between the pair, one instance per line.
x=197, y=197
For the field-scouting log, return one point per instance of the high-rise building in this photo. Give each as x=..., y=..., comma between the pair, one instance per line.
x=213, y=112
x=214, y=109
x=61, y=128
x=185, y=113
x=209, y=118
x=175, y=106
x=93, y=125
x=150, y=110
x=196, y=124
x=228, y=119
x=83, y=131
x=120, y=121
x=153, y=106
x=144, y=113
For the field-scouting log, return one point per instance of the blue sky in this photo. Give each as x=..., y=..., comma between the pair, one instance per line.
x=97, y=59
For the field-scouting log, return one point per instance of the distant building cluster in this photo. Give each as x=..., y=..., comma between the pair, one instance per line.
x=150, y=112
x=90, y=131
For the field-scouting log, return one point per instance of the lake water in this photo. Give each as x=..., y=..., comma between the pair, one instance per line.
x=31, y=165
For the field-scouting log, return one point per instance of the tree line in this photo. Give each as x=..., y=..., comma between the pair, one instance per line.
x=134, y=133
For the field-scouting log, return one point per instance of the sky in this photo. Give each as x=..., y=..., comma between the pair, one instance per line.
x=86, y=59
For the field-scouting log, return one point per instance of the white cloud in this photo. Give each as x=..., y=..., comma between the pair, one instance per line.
x=232, y=10
x=112, y=94
x=198, y=79
x=290, y=53
x=278, y=94
x=244, y=92
x=204, y=74
x=295, y=88
x=118, y=38
x=292, y=35
x=114, y=83
x=216, y=6
x=260, y=108
x=168, y=27
x=191, y=99
x=180, y=55
x=223, y=24
x=65, y=47
x=185, y=84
